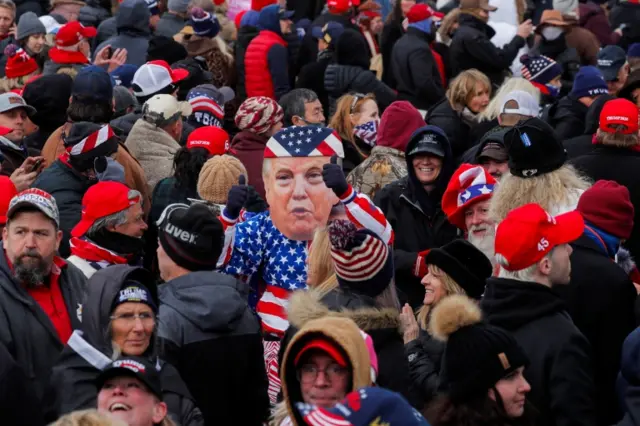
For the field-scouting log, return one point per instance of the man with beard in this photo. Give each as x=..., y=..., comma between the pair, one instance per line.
x=466, y=204
x=111, y=229
x=40, y=294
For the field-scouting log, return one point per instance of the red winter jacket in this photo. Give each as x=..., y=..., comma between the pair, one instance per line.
x=258, y=79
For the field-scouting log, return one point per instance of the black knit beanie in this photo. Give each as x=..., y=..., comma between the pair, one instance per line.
x=191, y=236
x=464, y=263
x=477, y=354
x=166, y=49
x=49, y=95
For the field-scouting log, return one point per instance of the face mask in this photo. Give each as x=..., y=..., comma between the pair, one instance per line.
x=553, y=90
x=368, y=132
x=551, y=33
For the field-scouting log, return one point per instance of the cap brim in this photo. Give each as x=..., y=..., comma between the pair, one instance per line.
x=30, y=110
x=287, y=14
x=112, y=372
x=22, y=204
x=610, y=73
x=89, y=32
x=81, y=228
x=494, y=154
x=569, y=227
x=432, y=149
x=324, y=346
x=179, y=74
x=316, y=32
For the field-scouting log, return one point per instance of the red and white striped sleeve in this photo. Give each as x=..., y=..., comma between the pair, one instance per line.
x=361, y=211
x=229, y=228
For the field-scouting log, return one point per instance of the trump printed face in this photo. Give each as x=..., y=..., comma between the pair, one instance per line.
x=299, y=201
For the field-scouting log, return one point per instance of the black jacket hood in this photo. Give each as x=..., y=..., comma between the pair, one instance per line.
x=102, y=290
x=211, y=301
x=351, y=49
x=510, y=304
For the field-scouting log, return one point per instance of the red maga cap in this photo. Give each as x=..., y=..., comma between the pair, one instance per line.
x=619, y=111
x=213, y=139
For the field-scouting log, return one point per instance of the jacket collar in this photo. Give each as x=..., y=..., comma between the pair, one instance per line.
x=468, y=20
x=6, y=142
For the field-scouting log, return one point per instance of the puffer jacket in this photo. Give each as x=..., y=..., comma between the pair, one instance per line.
x=210, y=334
x=154, y=149
x=418, y=222
x=266, y=61
x=471, y=47
x=132, y=23
x=245, y=35
x=93, y=13
x=90, y=349
x=28, y=333
x=67, y=187
x=424, y=356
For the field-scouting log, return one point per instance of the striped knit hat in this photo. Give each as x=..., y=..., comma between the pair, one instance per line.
x=362, y=261
x=204, y=23
x=88, y=141
x=258, y=114
x=539, y=69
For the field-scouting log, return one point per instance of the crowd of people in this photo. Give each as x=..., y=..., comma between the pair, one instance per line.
x=358, y=212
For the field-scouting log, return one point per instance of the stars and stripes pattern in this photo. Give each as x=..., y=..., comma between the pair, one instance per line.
x=304, y=141
x=363, y=262
x=201, y=103
x=537, y=66
x=318, y=416
x=92, y=141
x=368, y=132
x=469, y=184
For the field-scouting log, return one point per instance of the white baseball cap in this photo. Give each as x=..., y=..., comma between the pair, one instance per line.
x=155, y=76
x=163, y=109
x=526, y=104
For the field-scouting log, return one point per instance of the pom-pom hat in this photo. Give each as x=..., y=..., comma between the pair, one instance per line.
x=304, y=141
x=468, y=185
x=19, y=63
x=477, y=355
x=528, y=233
x=362, y=261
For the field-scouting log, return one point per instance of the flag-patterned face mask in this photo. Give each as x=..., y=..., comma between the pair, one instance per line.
x=368, y=132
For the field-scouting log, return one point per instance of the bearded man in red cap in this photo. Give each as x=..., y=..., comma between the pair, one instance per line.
x=110, y=230
x=466, y=204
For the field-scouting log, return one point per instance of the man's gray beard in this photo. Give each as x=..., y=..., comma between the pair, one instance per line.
x=485, y=244
x=30, y=275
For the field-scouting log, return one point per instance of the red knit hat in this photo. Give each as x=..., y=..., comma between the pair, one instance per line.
x=19, y=63
x=258, y=5
x=607, y=206
x=419, y=12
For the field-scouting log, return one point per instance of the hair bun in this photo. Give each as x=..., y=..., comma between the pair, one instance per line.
x=453, y=313
x=341, y=233
x=11, y=50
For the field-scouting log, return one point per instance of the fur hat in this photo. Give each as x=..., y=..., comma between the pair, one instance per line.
x=217, y=176
x=464, y=263
x=477, y=355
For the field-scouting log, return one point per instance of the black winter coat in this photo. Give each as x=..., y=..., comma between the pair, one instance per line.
x=583, y=144
x=560, y=369
x=567, y=117
x=449, y=120
x=566, y=56
x=600, y=299
x=311, y=77
x=18, y=402
x=425, y=362
x=418, y=79
x=620, y=165
x=342, y=79
x=28, y=333
x=391, y=33
x=89, y=350
x=626, y=15
x=245, y=35
x=67, y=187
x=471, y=47
x=418, y=222
x=210, y=334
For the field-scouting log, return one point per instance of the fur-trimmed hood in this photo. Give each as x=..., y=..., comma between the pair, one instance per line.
x=305, y=306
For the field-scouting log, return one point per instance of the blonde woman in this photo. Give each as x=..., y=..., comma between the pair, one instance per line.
x=489, y=117
x=456, y=268
x=467, y=96
x=88, y=418
x=356, y=120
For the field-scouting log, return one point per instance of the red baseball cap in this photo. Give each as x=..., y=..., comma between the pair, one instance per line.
x=73, y=33
x=323, y=345
x=341, y=6
x=100, y=200
x=619, y=111
x=7, y=192
x=528, y=233
x=419, y=12
x=212, y=138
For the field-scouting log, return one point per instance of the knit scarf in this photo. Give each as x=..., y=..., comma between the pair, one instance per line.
x=91, y=252
x=606, y=242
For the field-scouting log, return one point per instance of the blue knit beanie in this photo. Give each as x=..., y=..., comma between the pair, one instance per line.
x=634, y=51
x=589, y=82
x=540, y=69
x=204, y=23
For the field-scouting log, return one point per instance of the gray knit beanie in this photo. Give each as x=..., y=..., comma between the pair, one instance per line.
x=29, y=24
x=179, y=6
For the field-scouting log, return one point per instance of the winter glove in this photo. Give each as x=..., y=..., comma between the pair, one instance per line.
x=238, y=195
x=333, y=177
x=420, y=267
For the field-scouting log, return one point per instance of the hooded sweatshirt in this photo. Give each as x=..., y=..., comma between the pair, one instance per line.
x=213, y=339
x=90, y=349
x=132, y=22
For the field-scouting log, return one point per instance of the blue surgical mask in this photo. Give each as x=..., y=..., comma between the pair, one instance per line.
x=554, y=91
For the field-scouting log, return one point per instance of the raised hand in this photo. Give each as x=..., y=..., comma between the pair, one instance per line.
x=334, y=178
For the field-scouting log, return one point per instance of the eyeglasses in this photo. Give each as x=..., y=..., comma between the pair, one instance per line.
x=356, y=98
x=129, y=318
x=309, y=373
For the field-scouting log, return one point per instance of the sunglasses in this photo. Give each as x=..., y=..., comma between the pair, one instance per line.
x=356, y=98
